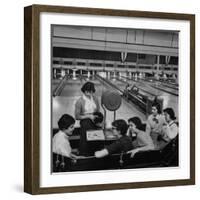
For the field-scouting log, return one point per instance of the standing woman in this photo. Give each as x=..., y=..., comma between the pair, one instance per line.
x=87, y=110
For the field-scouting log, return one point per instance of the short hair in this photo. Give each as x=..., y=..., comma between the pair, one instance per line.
x=88, y=86
x=65, y=121
x=138, y=123
x=158, y=107
x=170, y=112
x=121, y=126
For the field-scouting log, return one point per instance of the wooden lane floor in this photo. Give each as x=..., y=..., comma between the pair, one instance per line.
x=54, y=84
x=150, y=92
x=162, y=86
x=72, y=91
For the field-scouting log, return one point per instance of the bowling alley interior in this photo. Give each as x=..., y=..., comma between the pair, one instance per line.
x=114, y=98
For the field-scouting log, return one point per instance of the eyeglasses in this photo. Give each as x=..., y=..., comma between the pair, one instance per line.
x=114, y=128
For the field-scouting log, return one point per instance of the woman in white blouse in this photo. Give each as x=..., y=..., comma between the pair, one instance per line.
x=87, y=110
x=169, y=130
x=60, y=143
x=155, y=122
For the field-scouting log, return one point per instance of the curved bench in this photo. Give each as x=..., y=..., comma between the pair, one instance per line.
x=168, y=156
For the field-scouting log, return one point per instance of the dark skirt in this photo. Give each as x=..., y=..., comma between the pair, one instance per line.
x=86, y=125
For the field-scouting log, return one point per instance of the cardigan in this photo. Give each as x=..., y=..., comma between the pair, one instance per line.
x=80, y=106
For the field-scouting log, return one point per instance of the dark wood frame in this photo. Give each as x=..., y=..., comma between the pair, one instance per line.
x=32, y=104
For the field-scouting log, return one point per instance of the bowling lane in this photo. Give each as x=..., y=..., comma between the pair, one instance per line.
x=165, y=89
x=72, y=91
x=152, y=87
x=175, y=87
x=121, y=85
x=65, y=102
x=72, y=88
x=54, y=84
x=150, y=92
x=165, y=82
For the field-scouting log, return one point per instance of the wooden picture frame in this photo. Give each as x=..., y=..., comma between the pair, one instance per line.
x=32, y=106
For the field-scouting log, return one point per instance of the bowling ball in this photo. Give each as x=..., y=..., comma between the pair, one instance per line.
x=99, y=117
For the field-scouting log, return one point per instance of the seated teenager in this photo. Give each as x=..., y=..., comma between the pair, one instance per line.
x=123, y=143
x=143, y=141
x=155, y=121
x=169, y=130
x=61, y=144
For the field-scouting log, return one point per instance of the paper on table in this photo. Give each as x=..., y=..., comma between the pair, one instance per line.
x=95, y=135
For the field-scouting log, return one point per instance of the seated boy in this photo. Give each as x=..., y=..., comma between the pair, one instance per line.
x=123, y=144
x=61, y=143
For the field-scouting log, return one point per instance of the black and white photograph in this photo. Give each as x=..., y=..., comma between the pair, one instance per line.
x=109, y=99
x=114, y=98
